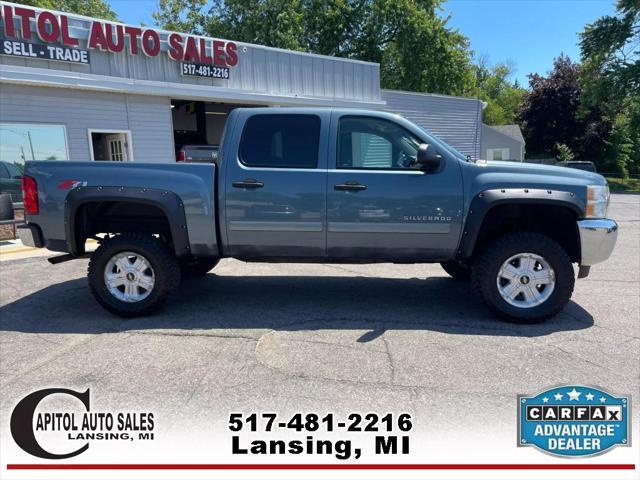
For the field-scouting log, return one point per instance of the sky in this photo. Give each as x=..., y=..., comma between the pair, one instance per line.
x=529, y=33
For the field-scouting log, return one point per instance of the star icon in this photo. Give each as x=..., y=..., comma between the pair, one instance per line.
x=574, y=395
x=589, y=396
x=545, y=400
x=602, y=399
x=558, y=396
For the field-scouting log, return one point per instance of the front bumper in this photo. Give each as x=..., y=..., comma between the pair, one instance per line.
x=597, y=239
x=30, y=235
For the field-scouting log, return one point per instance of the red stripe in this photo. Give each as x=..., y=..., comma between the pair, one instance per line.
x=329, y=466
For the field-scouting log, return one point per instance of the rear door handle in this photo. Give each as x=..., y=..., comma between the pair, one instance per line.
x=248, y=183
x=349, y=186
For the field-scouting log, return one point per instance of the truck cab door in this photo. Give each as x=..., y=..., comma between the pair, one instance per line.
x=380, y=204
x=275, y=184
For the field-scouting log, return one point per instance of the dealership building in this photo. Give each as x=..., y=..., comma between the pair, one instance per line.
x=79, y=88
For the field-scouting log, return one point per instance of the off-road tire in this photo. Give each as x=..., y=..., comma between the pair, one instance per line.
x=198, y=267
x=487, y=265
x=457, y=270
x=165, y=266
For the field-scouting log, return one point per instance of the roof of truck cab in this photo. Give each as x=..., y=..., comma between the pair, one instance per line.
x=309, y=110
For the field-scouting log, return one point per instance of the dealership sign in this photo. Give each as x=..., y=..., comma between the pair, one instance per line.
x=44, y=52
x=53, y=28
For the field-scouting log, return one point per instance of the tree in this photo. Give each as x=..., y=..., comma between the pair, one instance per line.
x=610, y=79
x=611, y=55
x=89, y=8
x=181, y=15
x=415, y=47
x=502, y=97
x=549, y=114
x=563, y=153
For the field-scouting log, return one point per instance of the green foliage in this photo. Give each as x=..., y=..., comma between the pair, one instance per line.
x=624, y=184
x=89, y=8
x=415, y=47
x=611, y=56
x=622, y=154
x=564, y=153
x=501, y=95
x=619, y=146
x=632, y=110
x=610, y=78
x=181, y=15
x=551, y=114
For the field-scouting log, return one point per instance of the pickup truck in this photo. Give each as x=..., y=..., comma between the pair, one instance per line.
x=324, y=185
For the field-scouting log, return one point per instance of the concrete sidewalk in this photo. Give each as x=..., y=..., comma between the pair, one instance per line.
x=15, y=250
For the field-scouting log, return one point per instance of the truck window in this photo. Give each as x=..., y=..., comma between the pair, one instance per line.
x=375, y=143
x=282, y=140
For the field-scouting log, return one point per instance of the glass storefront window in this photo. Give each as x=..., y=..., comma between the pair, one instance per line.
x=20, y=142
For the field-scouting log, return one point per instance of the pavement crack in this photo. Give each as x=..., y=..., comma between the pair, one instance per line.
x=331, y=344
x=60, y=353
x=195, y=334
x=582, y=359
x=392, y=367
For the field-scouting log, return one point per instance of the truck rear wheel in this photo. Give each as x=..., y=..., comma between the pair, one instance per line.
x=524, y=277
x=198, y=267
x=132, y=274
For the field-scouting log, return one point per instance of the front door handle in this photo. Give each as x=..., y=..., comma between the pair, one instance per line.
x=349, y=186
x=248, y=183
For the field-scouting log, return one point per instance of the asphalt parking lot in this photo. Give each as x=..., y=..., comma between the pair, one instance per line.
x=336, y=338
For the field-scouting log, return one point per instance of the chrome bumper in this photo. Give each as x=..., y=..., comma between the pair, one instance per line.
x=597, y=239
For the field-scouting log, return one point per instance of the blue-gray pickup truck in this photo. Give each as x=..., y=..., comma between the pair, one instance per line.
x=324, y=185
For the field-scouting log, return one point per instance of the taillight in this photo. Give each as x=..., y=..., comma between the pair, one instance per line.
x=30, y=195
x=182, y=156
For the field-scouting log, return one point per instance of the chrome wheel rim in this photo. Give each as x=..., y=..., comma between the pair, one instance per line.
x=526, y=280
x=129, y=277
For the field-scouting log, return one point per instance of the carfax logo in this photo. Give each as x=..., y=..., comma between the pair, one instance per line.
x=574, y=421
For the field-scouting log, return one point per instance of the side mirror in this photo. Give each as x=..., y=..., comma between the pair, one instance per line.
x=428, y=158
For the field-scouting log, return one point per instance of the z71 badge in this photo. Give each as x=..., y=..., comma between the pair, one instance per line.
x=574, y=421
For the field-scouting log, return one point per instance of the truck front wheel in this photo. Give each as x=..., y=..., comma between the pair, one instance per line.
x=524, y=277
x=132, y=274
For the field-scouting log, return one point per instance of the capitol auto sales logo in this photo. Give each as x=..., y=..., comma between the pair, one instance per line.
x=58, y=423
x=574, y=421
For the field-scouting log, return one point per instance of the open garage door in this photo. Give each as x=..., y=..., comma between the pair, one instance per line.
x=198, y=127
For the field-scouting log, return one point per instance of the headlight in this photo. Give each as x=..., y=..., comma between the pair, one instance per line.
x=597, y=201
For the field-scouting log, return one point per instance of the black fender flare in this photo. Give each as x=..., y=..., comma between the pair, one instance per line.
x=484, y=201
x=168, y=202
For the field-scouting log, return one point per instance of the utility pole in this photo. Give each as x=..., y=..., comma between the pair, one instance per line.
x=33, y=156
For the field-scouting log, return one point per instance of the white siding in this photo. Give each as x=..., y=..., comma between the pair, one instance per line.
x=455, y=120
x=148, y=118
x=495, y=140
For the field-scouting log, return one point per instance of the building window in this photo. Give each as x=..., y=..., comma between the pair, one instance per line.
x=497, y=154
x=373, y=143
x=110, y=145
x=282, y=140
x=20, y=142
